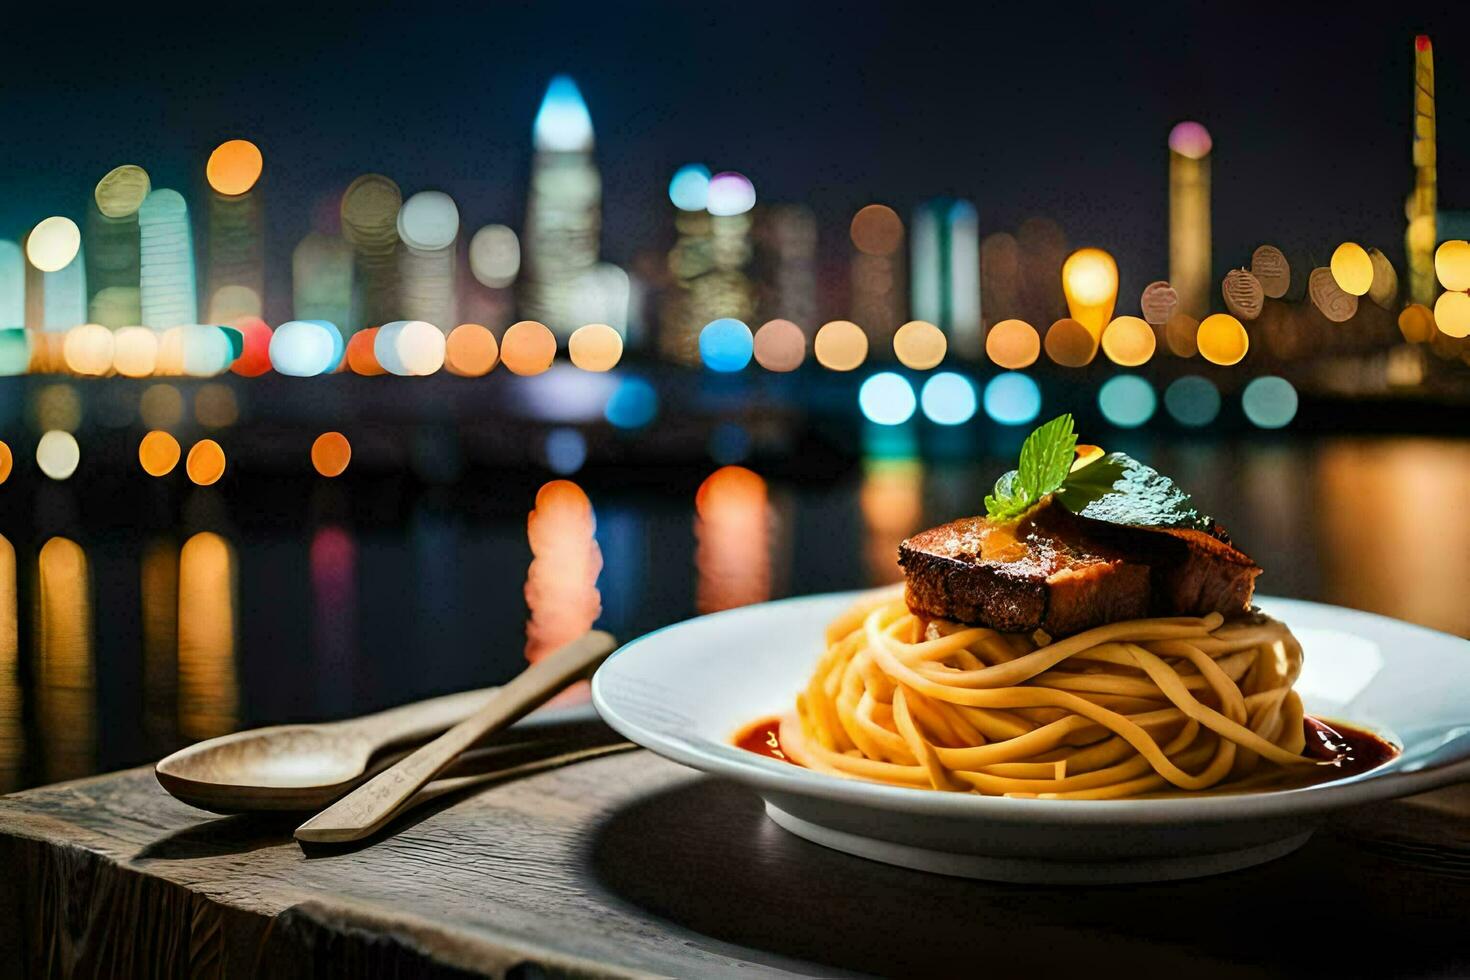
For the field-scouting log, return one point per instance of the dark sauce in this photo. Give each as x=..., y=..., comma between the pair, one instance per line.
x=1350, y=749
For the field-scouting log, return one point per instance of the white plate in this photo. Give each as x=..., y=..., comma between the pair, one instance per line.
x=685, y=690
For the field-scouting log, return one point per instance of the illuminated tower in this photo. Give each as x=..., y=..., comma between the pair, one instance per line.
x=944, y=272
x=113, y=247
x=1189, y=216
x=235, y=276
x=877, y=273
x=709, y=261
x=564, y=213
x=1423, y=232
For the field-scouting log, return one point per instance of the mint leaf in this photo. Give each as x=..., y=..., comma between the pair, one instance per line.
x=1046, y=458
x=1119, y=489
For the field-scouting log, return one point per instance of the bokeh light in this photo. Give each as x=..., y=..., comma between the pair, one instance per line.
x=1452, y=314
x=255, y=353
x=495, y=256
x=840, y=345
x=1222, y=339
x=1127, y=401
x=1269, y=402
x=565, y=451
x=780, y=346
x=1190, y=139
x=57, y=454
x=58, y=406
x=215, y=406
x=689, y=187
x=120, y=193
x=1013, y=344
x=134, y=352
x=305, y=348
x=88, y=350
x=330, y=454
x=1181, y=335
x=7, y=462
x=1352, y=268
x=527, y=348
x=595, y=347
x=1012, y=399
x=1090, y=283
x=234, y=167
x=919, y=345
x=1416, y=323
x=730, y=194
x=1128, y=341
x=1452, y=264
x=562, y=124
x=206, y=462
x=360, y=357
x=429, y=221
x=887, y=399
x=1192, y=400
x=470, y=351
x=159, y=453
x=53, y=244
x=632, y=405
x=877, y=230
x=1158, y=302
x=725, y=345
x=948, y=398
x=410, y=348
x=161, y=406
x=1070, y=344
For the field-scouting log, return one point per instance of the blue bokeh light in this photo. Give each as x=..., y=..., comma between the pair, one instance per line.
x=1192, y=400
x=1127, y=401
x=1270, y=402
x=726, y=345
x=632, y=405
x=1012, y=398
x=948, y=399
x=305, y=348
x=566, y=451
x=563, y=123
x=887, y=399
x=689, y=188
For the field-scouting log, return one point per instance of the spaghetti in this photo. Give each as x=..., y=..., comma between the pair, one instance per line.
x=1142, y=707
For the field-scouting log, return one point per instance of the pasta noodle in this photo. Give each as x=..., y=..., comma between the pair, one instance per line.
x=1142, y=707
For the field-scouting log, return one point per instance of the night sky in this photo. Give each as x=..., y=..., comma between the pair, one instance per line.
x=1029, y=108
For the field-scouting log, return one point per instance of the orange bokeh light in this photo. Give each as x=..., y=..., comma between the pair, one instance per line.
x=877, y=230
x=840, y=345
x=7, y=462
x=732, y=529
x=1070, y=344
x=360, y=357
x=470, y=351
x=255, y=353
x=330, y=453
x=1129, y=341
x=1013, y=344
x=1222, y=339
x=234, y=167
x=919, y=345
x=159, y=453
x=780, y=346
x=528, y=348
x=206, y=462
x=561, y=582
x=595, y=347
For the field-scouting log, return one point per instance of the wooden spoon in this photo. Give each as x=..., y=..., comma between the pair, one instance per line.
x=375, y=802
x=302, y=767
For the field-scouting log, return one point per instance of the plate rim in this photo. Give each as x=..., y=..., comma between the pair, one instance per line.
x=769, y=775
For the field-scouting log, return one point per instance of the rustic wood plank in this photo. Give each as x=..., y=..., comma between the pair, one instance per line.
x=629, y=866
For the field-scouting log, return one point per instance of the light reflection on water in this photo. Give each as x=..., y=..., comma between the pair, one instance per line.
x=121, y=629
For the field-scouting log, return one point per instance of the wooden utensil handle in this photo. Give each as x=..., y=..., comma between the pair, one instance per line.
x=410, y=722
x=369, y=806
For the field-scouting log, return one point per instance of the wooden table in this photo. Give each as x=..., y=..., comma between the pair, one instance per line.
x=630, y=865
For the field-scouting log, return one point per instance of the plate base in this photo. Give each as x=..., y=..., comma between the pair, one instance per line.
x=1035, y=871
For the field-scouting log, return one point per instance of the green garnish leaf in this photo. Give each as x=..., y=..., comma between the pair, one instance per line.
x=1046, y=458
x=1118, y=489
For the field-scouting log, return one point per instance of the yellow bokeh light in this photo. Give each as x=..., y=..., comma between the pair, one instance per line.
x=53, y=244
x=877, y=230
x=1128, y=341
x=234, y=167
x=330, y=454
x=1013, y=344
x=88, y=350
x=919, y=345
x=1416, y=323
x=159, y=453
x=1452, y=314
x=1352, y=268
x=134, y=352
x=121, y=191
x=780, y=346
x=58, y=406
x=595, y=347
x=528, y=348
x=471, y=351
x=206, y=462
x=7, y=462
x=161, y=406
x=1452, y=265
x=1090, y=282
x=1222, y=339
x=840, y=345
x=1070, y=344
x=58, y=454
